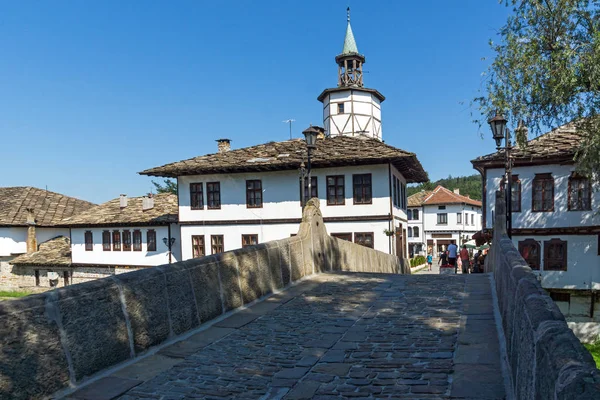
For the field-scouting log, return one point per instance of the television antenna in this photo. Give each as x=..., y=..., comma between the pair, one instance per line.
x=289, y=121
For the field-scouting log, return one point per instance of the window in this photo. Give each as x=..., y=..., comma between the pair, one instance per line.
x=335, y=190
x=151, y=239
x=441, y=207
x=89, y=241
x=216, y=243
x=459, y=218
x=579, y=194
x=66, y=278
x=395, y=193
x=254, y=194
x=126, y=240
x=343, y=236
x=106, y=240
x=442, y=219
x=362, y=188
x=416, y=231
x=557, y=296
x=409, y=215
x=198, y=249
x=410, y=232
x=472, y=219
x=196, y=196
x=137, y=240
x=314, y=188
x=543, y=193
x=515, y=192
x=555, y=255
x=213, y=195
x=340, y=108
x=249, y=240
x=416, y=213
x=116, y=241
x=37, y=277
x=364, y=239
x=403, y=195
x=530, y=251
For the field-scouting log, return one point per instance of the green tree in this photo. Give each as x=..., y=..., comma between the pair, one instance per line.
x=468, y=185
x=546, y=72
x=168, y=186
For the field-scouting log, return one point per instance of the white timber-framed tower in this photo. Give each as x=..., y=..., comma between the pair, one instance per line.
x=350, y=108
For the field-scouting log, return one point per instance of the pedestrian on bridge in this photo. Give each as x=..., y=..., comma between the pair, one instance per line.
x=452, y=253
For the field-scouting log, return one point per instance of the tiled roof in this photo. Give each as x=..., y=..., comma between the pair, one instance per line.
x=560, y=143
x=440, y=195
x=49, y=208
x=55, y=251
x=416, y=200
x=165, y=210
x=287, y=155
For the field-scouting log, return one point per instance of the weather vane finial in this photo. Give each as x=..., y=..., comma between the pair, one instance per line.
x=348, y=11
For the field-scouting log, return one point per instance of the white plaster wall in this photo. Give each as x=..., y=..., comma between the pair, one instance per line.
x=362, y=112
x=14, y=240
x=140, y=258
x=281, y=195
x=232, y=234
x=430, y=213
x=419, y=223
x=560, y=217
x=583, y=262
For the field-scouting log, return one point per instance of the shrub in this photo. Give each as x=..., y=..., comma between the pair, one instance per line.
x=418, y=260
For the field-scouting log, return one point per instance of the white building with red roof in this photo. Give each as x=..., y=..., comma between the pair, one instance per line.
x=439, y=216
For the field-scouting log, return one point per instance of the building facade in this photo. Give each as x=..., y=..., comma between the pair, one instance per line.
x=440, y=216
x=118, y=236
x=30, y=216
x=237, y=198
x=555, y=224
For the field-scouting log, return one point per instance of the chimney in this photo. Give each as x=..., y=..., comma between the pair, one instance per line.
x=147, y=202
x=31, y=239
x=123, y=201
x=224, y=145
x=457, y=191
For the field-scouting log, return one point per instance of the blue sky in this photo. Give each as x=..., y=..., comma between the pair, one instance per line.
x=93, y=92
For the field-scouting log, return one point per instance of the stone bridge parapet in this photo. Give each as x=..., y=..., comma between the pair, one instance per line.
x=55, y=340
x=545, y=359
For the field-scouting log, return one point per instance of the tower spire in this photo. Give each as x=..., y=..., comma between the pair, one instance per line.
x=349, y=42
x=348, y=12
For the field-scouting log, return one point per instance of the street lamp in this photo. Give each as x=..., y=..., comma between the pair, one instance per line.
x=310, y=135
x=499, y=132
x=169, y=243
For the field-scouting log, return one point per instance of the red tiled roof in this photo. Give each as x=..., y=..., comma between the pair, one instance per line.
x=441, y=195
x=416, y=200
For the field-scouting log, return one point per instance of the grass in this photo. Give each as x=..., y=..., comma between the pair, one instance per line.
x=12, y=295
x=595, y=350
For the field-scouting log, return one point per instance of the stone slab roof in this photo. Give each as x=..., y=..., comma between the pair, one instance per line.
x=559, y=144
x=165, y=211
x=416, y=200
x=287, y=155
x=49, y=208
x=55, y=251
x=439, y=196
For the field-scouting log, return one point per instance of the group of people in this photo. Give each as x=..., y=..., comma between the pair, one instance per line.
x=452, y=256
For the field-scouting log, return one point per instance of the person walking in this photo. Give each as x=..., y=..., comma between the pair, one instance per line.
x=443, y=258
x=452, y=253
x=464, y=259
x=429, y=260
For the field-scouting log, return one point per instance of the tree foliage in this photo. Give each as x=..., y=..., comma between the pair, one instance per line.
x=468, y=185
x=546, y=72
x=168, y=186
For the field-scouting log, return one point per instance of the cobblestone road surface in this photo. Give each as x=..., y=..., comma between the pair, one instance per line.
x=351, y=336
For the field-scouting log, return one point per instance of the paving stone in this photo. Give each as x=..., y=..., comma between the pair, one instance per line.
x=337, y=369
x=195, y=342
x=105, y=389
x=303, y=391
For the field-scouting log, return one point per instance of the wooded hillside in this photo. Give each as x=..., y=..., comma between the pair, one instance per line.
x=468, y=185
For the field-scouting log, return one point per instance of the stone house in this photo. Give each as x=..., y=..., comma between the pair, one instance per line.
x=29, y=216
x=555, y=223
x=437, y=217
x=121, y=235
x=237, y=198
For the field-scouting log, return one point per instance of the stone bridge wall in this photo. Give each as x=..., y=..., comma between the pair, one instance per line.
x=546, y=360
x=54, y=340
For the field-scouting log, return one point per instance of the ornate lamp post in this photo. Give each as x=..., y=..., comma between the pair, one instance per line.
x=310, y=135
x=499, y=132
x=169, y=244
